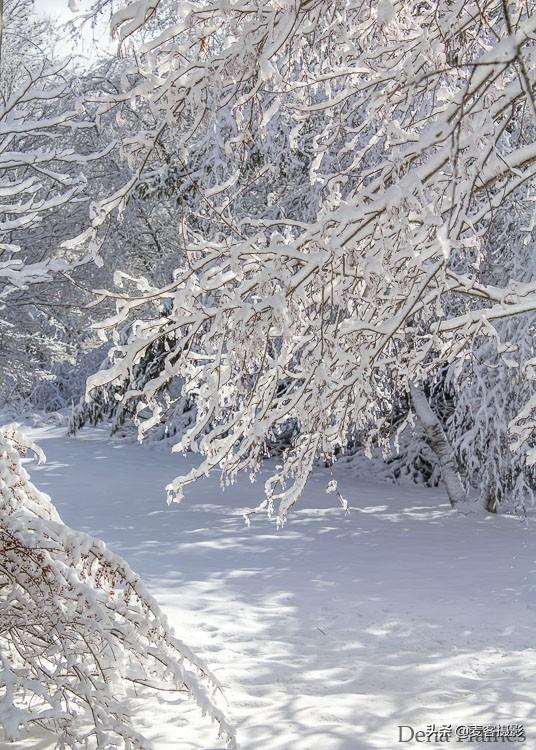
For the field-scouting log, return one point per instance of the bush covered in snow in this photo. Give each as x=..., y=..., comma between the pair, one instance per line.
x=79, y=633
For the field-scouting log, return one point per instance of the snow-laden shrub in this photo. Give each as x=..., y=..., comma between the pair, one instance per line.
x=493, y=391
x=414, y=459
x=66, y=384
x=79, y=634
x=120, y=403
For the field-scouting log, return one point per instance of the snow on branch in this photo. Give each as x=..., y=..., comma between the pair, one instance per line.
x=341, y=169
x=79, y=633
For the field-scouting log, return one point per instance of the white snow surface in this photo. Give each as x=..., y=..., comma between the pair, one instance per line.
x=330, y=632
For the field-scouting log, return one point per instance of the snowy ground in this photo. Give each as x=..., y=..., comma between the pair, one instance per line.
x=332, y=631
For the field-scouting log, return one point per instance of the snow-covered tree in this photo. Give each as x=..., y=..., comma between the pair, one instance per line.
x=495, y=383
x=79, y=633
x=476, y=398
x=416, y=122
x=46, y=142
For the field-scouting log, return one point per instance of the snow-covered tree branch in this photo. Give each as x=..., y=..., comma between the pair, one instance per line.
x=47, y=144
x=414, y=124
x=79, y=633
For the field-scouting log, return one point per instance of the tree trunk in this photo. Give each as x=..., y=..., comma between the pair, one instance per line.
x=492, y=499
x=440, y=445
